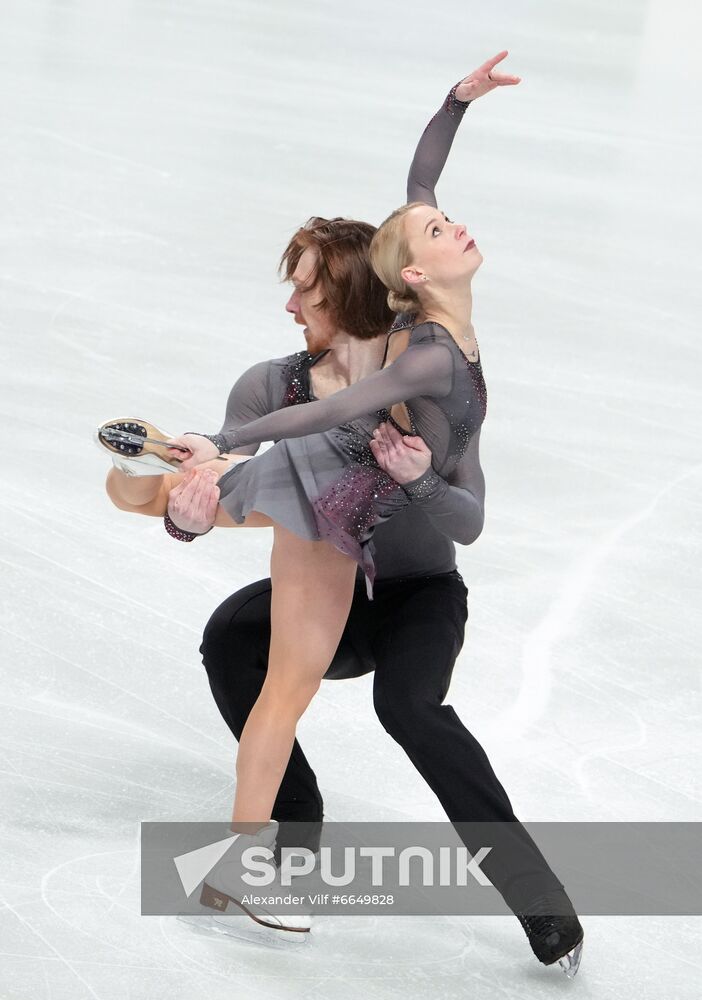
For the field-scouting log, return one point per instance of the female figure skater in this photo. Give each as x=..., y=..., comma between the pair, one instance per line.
x=320, y=484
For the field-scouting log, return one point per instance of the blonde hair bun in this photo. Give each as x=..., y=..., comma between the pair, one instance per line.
x=389, y=254
x=403, y=302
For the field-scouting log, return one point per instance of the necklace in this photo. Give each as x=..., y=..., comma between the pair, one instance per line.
x=471, y=338
x=473, y=356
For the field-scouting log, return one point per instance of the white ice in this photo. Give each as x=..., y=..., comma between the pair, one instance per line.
x=155, y=157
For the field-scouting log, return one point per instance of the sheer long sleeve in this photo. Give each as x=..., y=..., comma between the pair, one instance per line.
x=433, y=150
x=423, y=369
x=249, y=399
x=455, y=506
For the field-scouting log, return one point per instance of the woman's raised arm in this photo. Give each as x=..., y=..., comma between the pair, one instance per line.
x=436, y=141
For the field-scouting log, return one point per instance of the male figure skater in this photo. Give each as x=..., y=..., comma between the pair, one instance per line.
x=419, y=594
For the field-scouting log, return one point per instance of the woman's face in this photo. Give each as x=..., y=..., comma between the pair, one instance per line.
x=439, y=248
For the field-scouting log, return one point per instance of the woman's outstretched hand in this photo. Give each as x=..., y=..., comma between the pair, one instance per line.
x=403, y=457
x=201, y=450
x=483, y=80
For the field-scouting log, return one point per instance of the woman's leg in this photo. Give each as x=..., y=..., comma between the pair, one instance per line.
x=234, y=649
x=312, y=592
x=313, y=585
x=149, y=494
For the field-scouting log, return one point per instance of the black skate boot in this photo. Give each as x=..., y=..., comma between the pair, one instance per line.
x=554, y=931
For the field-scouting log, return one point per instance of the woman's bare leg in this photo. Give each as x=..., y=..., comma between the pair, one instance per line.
x=149, y=494
x=312, y=592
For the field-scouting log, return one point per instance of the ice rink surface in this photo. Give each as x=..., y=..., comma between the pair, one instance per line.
x=155, y=157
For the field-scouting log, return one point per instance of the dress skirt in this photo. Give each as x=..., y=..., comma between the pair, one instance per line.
x=322, y=487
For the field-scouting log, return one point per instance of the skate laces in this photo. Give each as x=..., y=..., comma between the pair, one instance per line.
x=545, y=914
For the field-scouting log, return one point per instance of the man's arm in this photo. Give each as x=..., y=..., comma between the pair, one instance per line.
x=249, y=399
x=455, y=506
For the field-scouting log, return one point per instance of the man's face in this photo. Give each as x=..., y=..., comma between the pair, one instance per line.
x=303, y=304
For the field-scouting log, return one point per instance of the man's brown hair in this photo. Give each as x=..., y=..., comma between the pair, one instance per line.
x=350, y=290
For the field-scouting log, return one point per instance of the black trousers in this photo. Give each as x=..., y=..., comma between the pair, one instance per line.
x=410, y=635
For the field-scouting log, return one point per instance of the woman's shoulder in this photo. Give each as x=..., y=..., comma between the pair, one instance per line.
x=428, y=331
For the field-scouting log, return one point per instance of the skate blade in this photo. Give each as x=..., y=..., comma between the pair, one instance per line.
x=244, y=929
x=570, y=963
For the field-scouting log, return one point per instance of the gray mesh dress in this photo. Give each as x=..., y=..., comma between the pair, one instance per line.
x=320, y=480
